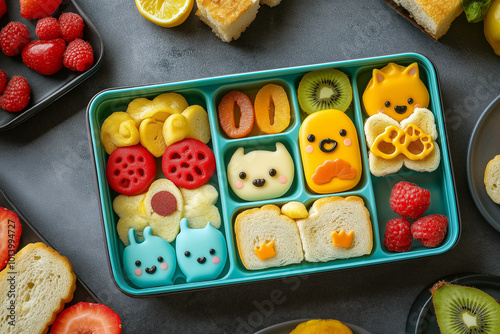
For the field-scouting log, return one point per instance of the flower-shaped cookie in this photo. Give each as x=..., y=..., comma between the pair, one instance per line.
x=411, y=143
x=162, y=207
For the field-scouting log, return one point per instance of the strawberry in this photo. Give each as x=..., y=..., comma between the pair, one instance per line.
x=38, y=9
x=3, y=8
x=79, y=55
x=16, y=94
x=13, y=37
x=10, y=233
x=44, y=56
x=3, y=80
x=71, y=26
x=87, y=318
x=48, y=28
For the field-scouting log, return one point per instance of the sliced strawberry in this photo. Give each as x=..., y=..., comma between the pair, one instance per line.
x=10, y=233
x=85, y=318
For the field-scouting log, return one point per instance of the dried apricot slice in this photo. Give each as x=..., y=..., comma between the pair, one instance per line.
x=227, y=117
x=272, y=109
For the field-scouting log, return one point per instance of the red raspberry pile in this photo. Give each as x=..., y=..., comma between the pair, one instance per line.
x=60, y=44
x=49, y=53
x=411, y=201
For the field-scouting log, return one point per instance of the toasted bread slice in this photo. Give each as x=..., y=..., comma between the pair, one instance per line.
x=227, y=18
x=435, y=16
x=258, y=228
x=270, y=3
x=331, y=215
x=492, y=179
x=34, y=288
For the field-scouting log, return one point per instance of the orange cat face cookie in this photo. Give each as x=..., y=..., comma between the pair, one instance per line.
x=330, y=152
x=395, y=91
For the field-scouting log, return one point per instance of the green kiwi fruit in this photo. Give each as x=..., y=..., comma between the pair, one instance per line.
x=324, y=89
x=465, y=310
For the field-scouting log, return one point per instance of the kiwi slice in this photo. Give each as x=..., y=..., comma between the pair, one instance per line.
x=463, y=310
x=324, y=89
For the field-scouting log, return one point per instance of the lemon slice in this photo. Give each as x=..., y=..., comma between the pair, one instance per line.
x=165, y=13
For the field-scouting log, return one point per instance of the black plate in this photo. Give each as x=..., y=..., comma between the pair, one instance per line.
x=45, y=89
x=422, y=319
x=287, y=327
x=29, y=235
x=483, y=146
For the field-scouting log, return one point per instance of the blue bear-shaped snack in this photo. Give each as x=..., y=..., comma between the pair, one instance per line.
x=149, y=263
x=201, y=253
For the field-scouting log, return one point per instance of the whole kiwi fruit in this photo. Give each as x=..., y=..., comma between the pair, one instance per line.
x=465, y=310
x=324, y=89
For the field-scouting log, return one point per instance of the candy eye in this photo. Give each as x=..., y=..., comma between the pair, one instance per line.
x=160, y=259
x=212, y=251
x=343, y=132
x=187, y=253
x=311, y=138
x=243, y=175
x=138, y=263
x=410, y=101
x=387, y=104
x=272, y=172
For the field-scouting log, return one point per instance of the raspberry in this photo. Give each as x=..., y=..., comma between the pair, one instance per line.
x=37, y=9
x=71, y=26
x=48, y=28
x=409, y=200
x=16, y=94
x=3, y=80
x=44, y=57
x=430, y=230
x=79, y=56
x=13, y=37
x=397, y=237
x=3, y=8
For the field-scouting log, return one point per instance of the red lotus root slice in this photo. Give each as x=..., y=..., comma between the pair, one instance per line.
x=188, y=163
x=130, y=170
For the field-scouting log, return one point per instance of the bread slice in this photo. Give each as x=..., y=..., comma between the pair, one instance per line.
x=492, y=179
x=435, y=16
x=270, y=3
x=227, y=18
x=335, y=214
x=34, y=289
x=255, y=227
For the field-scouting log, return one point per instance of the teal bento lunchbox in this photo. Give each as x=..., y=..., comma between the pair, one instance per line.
x=373, y=190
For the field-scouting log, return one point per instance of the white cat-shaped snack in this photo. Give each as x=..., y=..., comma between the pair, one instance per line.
x=260, y=174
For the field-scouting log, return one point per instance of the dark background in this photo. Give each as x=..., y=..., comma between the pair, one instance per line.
x=46, y=169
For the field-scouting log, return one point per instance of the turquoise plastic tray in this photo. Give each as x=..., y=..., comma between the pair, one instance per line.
x=374, y=191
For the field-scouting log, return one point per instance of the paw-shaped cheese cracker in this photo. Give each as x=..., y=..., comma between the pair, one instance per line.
x=411, y=143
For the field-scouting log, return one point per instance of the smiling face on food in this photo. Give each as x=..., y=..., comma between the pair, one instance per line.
x=330, y=152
